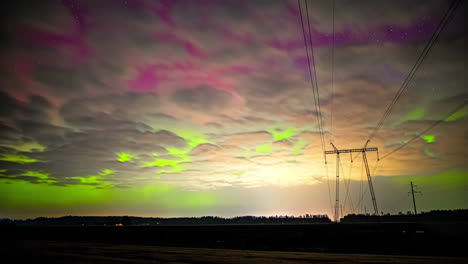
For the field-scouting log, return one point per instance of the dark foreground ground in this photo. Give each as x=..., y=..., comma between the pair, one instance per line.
x=39, y=251
x=309, y=243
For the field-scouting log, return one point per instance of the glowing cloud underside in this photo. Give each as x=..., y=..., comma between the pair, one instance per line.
x=414, y=115
x=26, y=147
x=298, y=147
x=99, y=179
x=279, y=134
x=267, y=148
x=18, y=158
x=125, y=157
x=428, y=138
x=457, y=115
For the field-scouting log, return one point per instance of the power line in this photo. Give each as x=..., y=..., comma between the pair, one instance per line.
x=446, y=18
x=458, y=108
x=312, y=74
x=332, y=71
x=435, y=36
x=314, y=87
x=319, y=113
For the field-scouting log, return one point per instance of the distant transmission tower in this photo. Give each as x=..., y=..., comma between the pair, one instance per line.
x=369, y=179
x=412, y=194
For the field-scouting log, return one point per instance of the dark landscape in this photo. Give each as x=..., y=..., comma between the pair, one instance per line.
x=78, y=252
x=434, y=237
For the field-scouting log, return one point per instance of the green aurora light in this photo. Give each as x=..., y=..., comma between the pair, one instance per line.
x=96, y=179
x=181, y=154
x=33, y=146
x=429, y=152
x=428, y=138
x=457, y=115
x=265, y=148
x=298, y=147
x=17, y=158
x=125, y=157
x=174, y=164
x=106, y=172
x=20, y=195
x=416, y=114
x=192, y=137
x=280, y=134
x=37, y=174
x=89, y=179
x=454, y=177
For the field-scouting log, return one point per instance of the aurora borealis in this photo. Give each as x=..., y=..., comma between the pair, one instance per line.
x=190, y=108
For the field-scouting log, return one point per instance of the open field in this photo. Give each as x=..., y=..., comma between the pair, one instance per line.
x=423, y=239
x=40, y=251
x=310, y=243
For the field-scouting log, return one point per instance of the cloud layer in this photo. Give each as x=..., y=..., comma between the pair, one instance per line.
x=206, y=96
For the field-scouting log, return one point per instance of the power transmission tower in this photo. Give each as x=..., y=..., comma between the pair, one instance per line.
x=412, y=194
x=369, y=179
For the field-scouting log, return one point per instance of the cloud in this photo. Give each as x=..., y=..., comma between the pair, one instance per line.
x=115, y=106
x=217, y=96
x=35, y=109
x=242, y=139
x=61, y=80
x=204, y=99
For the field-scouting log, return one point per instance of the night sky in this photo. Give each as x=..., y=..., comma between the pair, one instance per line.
x=191, y=108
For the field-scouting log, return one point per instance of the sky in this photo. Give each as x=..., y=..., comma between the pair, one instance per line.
x=190, y=108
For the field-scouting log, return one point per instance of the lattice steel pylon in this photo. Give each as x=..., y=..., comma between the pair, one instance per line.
x=369, y=179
